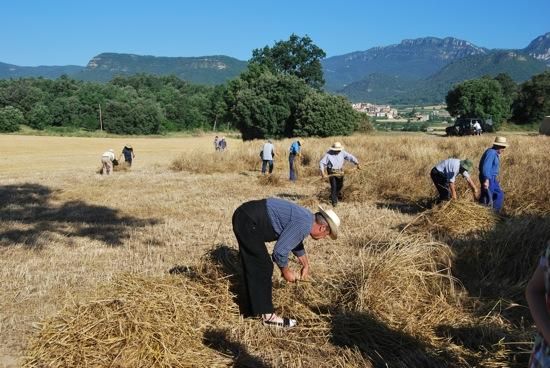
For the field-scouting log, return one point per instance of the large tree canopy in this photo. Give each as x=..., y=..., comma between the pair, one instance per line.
x=298, y=56
x=533, y=101
x=481, y=98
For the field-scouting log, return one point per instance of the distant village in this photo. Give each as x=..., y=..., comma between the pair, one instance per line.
x=390, y=113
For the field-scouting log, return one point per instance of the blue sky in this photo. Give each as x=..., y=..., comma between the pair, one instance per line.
x=63, y=32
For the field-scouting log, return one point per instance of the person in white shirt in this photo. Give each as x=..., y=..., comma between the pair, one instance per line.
x=477, y=128
x=267, y=154
x=444, y=175
x=107, y=162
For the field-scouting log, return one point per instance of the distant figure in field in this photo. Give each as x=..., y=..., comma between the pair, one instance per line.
x=444, y=175
x=216, y=143
x=294, y=151
x=477, y=128
x=267, y=154
x=333, y=162
x=222, y=144
x=489, y=166
x=107, y=160
x=128, y=153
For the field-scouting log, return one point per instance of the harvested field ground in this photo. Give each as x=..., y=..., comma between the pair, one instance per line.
x=141, y=268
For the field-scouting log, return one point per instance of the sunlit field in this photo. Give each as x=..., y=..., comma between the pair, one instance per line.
x=140, y=268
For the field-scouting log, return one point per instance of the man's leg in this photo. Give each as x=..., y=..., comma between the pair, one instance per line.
x=291, y=158
x=333, y=190
x=257, y=265
x=497, y=195
x=441, y=185
x=339, y=186
x=264, y=166
x=270, y=166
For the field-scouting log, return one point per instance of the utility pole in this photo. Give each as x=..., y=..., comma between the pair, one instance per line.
x=100, y=119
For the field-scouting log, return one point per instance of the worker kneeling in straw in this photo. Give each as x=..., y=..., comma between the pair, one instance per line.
x=266, y=220
x=444, y=175
x=333, y=161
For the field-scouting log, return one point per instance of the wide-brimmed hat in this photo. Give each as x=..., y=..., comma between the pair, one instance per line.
x=501, y=142
x=128, y=146
x=336, y=146
x=111, y=150
x=466, y=165
x=332, y=219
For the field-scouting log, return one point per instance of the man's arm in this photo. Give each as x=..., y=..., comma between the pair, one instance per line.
x=472, y=187
x=453, y=190
x=304, y=261
x=323, y=164
x=535, y=295
x=486, y=167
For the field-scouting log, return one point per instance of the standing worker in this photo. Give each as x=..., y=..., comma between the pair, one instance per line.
x=333, y=162
x=295, y=148
x=107, y=161
x=267, y=154
x=444, y=175
x=266, y=220
x=128, y=153
x=489, y=166
x=477, y=128
x=216, y=143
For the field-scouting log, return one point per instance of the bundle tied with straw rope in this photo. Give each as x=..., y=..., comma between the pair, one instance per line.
x=456, y=218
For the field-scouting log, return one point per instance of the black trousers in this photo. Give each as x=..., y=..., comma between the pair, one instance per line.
x=252, y=227
x=441, y=184
x=336, y=185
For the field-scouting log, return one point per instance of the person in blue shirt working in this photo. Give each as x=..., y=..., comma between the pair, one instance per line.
x=294, y=151
x=444, y=175
x=489, y=166
x=333, y=162
x=259, y=221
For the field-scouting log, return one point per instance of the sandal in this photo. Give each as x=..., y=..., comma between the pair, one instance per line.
x=286, y=323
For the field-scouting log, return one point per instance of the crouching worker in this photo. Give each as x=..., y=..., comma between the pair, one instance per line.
x=107, y=160
x=266, y=220
x=444, y=175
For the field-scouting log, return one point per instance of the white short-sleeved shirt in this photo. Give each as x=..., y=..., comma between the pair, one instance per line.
x=267, y=151
x=451, y=168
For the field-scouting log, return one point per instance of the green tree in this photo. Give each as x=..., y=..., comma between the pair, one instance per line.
x=481, y=98
x=324, y=115
x=533, y=101
x=10, y=119
x=298, y=56
x=40, y=117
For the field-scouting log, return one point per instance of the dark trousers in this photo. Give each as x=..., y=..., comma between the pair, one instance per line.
x=492, y=197
x=336, y=185
x=265, y=164
x=252, y=228
x=292, y=167
x=441, y=184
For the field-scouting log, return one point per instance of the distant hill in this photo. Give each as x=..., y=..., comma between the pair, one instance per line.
x=201, y=70
x=410, y=59
x=8, y=71
x=539, y=48
x=385, y=89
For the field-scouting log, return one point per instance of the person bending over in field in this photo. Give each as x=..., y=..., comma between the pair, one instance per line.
x=538, y=295
x=107, y=160
x=444, y=175
x=128, y=154
x=266, y=220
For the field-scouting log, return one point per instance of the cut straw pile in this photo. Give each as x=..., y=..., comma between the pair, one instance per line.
x=456, y=218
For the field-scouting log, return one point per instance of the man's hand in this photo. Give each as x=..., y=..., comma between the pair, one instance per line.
x=358, y=167
x=304, y=272
x=476, y=195
x=288, y=274
x=486, y=184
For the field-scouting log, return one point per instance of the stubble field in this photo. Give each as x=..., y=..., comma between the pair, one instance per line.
x=140, y=268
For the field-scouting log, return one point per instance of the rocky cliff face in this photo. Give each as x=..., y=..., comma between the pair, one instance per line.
x=539, y=48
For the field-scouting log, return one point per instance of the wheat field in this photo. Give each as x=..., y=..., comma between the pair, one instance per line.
x=140, y=269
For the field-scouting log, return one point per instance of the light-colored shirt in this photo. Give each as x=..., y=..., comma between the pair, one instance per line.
x=109, y=154
x=335, y=160
x=267, y=151
x=451, y=168
x=489, y=165
x=477, y=126
x=292, y=224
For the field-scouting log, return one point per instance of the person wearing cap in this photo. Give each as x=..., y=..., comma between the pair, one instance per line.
x=273, y=219
x=333, y=163
x=267, y=154
x=107, y=161
x=444, y=175
x=489, y=167
x=128, y=153
x=294, y=151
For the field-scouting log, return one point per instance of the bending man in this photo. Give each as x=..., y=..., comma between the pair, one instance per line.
x=444, y=175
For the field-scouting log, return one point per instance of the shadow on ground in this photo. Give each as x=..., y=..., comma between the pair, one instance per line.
x=219, y=340
x=30, y=217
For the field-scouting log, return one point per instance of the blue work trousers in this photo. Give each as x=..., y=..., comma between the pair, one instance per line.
x=265, y=164
x=492, y=197
x=291, y=159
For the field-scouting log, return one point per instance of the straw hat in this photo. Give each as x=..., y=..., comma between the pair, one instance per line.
x=332, y=219
x=501, y=142
x=111, y=150
x=128, y=146
x=466, y=165
x=336, y=146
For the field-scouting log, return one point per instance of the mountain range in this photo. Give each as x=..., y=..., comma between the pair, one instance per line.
x=418, y=70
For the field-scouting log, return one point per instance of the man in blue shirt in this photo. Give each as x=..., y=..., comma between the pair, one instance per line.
x=294, y=151
x=489, y=166
x=266, y=220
